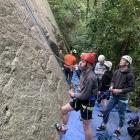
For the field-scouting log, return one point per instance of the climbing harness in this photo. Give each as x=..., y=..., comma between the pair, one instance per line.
x=104, y=95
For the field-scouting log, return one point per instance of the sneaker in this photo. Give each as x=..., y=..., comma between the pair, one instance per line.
x=100, y=115
x=116, y=133
x=101, y=128
x=61, y=128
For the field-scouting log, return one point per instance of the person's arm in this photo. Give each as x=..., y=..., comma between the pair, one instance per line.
x=78, y=72
x=130, y=80
x=129, y=88
x=113, y=80
x=104, y=82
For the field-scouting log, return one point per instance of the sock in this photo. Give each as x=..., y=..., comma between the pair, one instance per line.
x=64, y=126
x=103, y=124
x=119, y=129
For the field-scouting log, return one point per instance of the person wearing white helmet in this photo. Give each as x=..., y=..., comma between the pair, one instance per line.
x=127, y=58
x=122, y=83
x=101, y=58
x=108, y=64
x=103, y=93
x=100, y=68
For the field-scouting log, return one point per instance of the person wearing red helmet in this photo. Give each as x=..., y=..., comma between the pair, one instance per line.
x=85, y=99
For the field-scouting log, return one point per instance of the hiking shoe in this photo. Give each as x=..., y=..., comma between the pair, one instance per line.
x=116, y=133
x=101, y=128
x=61, y=128
x=100, y=115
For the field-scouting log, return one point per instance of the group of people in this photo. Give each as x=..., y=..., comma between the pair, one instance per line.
x=96, y=82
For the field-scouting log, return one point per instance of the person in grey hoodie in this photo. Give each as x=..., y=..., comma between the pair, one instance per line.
x=85, y=99
x=122, y=83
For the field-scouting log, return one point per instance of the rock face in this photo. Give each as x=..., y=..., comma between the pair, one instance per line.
x=32, y=86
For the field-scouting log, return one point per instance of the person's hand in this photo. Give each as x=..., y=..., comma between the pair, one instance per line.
x=76, y=67
x=116, y=91
x=111, y=87
x=99, y=92
x=71, y=93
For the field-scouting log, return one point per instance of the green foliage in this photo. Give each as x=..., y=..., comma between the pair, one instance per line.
x=110, y=27
x=115, y=29
x=71, y=18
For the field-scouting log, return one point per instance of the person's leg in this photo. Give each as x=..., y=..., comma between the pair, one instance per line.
x=87, y=129
x=86, y=116
x=111, y=104
x=104, y=104
x=64, y=110
x=121, y=111
x=106, y=96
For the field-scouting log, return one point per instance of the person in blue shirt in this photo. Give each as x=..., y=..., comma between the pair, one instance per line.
x=75, y=78
x=100, y=68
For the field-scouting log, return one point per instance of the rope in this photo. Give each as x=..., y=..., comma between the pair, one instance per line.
x=21, y=20
x=35, y=20
x=39, y=26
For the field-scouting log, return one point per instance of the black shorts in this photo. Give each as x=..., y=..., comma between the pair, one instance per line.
x=85, y=107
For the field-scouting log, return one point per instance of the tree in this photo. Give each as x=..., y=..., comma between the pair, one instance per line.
x=115, y=29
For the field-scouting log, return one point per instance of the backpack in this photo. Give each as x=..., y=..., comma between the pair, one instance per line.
x=134, y=128
x=134, y=131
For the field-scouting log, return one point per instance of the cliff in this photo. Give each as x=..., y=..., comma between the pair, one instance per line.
x=32, y=85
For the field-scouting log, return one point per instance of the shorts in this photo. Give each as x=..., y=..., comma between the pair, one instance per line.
x=85, y=107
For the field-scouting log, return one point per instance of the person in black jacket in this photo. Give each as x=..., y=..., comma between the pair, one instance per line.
x=84, y=100
x=104, y=93
x=122, y=83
